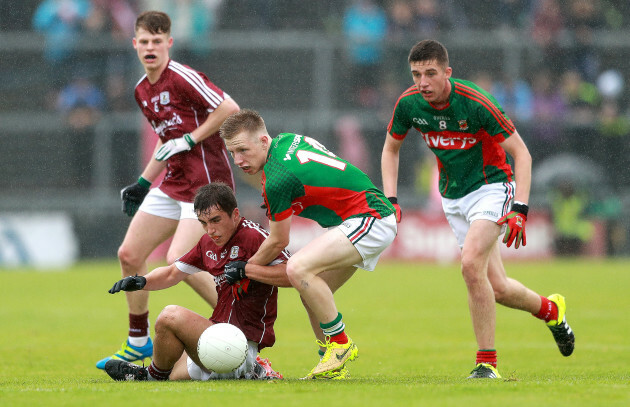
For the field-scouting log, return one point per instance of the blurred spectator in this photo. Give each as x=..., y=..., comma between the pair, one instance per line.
x=514, y=13
x=515, y=96
x=351, y=142
x=119, y=99
x=549, y=109
x=582, y=98
x=547, y=27
x=614, y=137
x=116, y=17
x=483, y=79
x=428, y=19
x=614, y=12
x=81, y=102
x=389, y=92
x=364, y=28
x=194, y=20
x=612, y=123
x=61, y=22
x=584, y=17
x=569, y=215
x=401, y=20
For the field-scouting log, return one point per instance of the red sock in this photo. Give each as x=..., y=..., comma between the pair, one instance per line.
x=157, y=373
x=340, y=338
x=488, y=356
x=139, y=324
x=548, y=310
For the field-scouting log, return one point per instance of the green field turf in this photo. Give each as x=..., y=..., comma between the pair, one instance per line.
x=410, y=321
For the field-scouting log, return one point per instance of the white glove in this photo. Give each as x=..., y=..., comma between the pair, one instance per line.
x=174, y=146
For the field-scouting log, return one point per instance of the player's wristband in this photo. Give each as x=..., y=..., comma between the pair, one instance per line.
x=189, y=140
x=520, y=208
x=393, y=199
x=143, y=182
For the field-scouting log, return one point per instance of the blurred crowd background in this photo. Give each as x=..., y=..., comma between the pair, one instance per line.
x=71, y=135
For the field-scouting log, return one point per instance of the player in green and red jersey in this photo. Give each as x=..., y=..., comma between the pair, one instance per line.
x=470, y=135
x=301, y=177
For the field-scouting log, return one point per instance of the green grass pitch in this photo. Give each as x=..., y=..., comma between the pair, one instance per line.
x=410, y=321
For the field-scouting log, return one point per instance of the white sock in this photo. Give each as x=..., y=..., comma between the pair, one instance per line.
x=138, y=341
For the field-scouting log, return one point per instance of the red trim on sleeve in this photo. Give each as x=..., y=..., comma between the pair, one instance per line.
x=410, y=91
x=477, y=96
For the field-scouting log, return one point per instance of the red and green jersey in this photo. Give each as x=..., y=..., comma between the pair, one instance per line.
x=301, y=177
x=464, y=136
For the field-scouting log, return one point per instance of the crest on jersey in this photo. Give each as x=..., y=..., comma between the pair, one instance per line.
x=165, y=98
x=234, y=252
x=463, y=124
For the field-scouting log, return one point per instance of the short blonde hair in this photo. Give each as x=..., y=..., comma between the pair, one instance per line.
x=243, y=120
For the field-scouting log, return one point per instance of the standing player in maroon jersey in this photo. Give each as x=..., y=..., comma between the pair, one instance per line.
x=470, y=134
x=185, y=110
x=250, y=304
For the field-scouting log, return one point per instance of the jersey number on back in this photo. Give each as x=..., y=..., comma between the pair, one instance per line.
x=327, y=158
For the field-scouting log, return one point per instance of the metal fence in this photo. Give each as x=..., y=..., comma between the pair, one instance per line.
x=300, y=82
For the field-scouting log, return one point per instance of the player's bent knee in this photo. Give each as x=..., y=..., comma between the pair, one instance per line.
x=296, y=271
x=128, y=259
x=472, y=273
x=500, y=292
x=168, y=318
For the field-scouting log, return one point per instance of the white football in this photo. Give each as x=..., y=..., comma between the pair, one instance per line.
x=222, y=348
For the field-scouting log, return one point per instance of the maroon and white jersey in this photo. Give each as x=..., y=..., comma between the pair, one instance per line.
x=179, y=102
x=252, y=306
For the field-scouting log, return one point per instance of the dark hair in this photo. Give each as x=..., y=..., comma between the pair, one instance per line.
x=155, y=22
x=243, y=120
x=215, y=194
x=429, y=50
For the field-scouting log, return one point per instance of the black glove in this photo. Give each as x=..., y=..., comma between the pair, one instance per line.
x=235, y=271
x=133, y=195
x=394, y=201
x=131, y=283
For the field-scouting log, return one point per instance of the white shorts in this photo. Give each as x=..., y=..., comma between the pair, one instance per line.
x=370, y=236
x=245, y=371
x=159, y=204
x=490, y=202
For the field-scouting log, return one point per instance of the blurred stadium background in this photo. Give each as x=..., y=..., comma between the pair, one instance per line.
x=71, y=135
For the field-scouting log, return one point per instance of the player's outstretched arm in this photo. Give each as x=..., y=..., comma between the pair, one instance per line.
x=272, y=275
x=158, y=279
x=129, y=283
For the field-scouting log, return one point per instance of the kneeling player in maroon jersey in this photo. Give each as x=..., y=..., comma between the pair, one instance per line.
x=251, y=305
